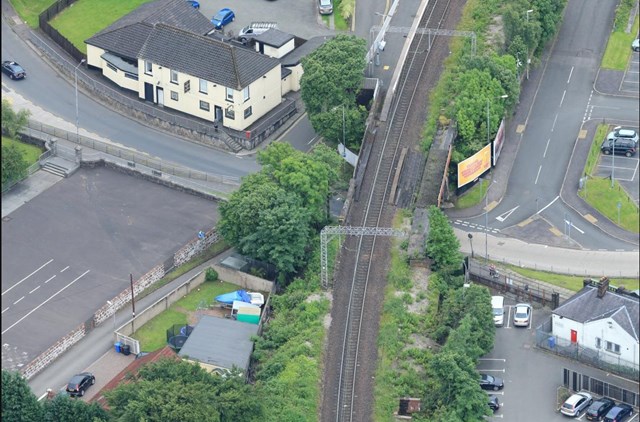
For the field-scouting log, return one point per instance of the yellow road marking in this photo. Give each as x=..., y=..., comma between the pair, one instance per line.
x=520, y=129
x=525, y=222
x=591, y=219
x=555, y=231
x=582, y=134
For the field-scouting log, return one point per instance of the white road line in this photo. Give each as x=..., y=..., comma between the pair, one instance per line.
x=43, y=303
x=43, y=265
x=563, y=94
x=549, y=204
x=506, y=214
x=555, y=120
x=312, y=140
x=570, y=73
x=16, y=302
x=64, y=269
x=501, y=360
x=494, y=370
x=5, y=310
x=571, y=224
x=538, y=175
x=51, y=278
x=545, y=148
x=34, y=289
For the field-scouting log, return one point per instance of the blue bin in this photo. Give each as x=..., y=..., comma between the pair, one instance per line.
x=118, y=346
x=552, y=342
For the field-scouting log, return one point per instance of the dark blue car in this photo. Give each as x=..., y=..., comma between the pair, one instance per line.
x=223, y=17
x=619, y=413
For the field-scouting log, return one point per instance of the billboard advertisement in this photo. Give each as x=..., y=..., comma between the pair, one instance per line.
x=471, y=168
x=498, y=143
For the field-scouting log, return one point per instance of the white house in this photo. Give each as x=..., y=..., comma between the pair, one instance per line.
x=603, y=319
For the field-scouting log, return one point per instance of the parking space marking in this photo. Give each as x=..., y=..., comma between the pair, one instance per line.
x=41, y=267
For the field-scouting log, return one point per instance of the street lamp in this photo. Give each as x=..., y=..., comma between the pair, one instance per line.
x=75, y=71
x=471, y=243
x=527, y=43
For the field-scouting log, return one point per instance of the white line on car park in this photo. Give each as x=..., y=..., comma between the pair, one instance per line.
x=34, y=289
x=64, y=269
x=50, y=278
x=5, y=310
x=43, y=265
x=16, y=302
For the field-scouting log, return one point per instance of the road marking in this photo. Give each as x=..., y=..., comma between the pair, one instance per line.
x=591, y=219
x=501, y=360
x=43, y=265
x=34, y=290
x=538, y=175
x=545, y=148
x=582, y=134
x=506, y=214
x=51, y=278
x=312, y=140
x=549, y=204
x=494, y=370
x=570, y=73
x=525, y=222
x=64, y=269
x=562, y=100
x=16, y=302
x=571, y=224
x=553, y=126
x=520, y=128
x=555, y=231
x=43, y=303
x=5, y=310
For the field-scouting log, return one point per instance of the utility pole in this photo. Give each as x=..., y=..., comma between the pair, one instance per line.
x=133, y=299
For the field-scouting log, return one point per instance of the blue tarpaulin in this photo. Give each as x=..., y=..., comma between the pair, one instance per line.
x=239, y=295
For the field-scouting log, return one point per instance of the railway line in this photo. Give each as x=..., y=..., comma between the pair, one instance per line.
x=351, y=357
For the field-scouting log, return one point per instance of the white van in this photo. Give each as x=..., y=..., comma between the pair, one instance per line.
x=497, y=308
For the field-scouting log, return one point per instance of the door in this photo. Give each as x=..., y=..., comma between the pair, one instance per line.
x=148, y=92
x=217, y=114
x=160, y=96
x=574, y=336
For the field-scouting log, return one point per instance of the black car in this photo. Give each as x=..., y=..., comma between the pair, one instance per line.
x=599, y=408
x=489, y=382
x=620, y=146
x=14, y=70
x=619, y=413
x=493, y=402
x=79, y=384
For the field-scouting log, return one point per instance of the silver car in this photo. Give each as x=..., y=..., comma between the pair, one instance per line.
x=576, y=404
x=522, y=316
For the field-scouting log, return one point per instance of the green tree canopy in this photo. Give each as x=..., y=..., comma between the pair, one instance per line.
x=12, y=122
x=331, y=126
x=14, y=165
x=19, y=404
x=64, y=408
x=443, y=246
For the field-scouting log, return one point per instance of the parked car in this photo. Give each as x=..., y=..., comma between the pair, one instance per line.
x=493, y=402
x=599, y=408
x=522, y=316
x=635, y=44
x=619, y=413
x=14, y=70
x=576, y=404
x=497, y=308
x=79, y=383
x=619, y=146
x=325, y=7
x=194, y=3
x=620, y=133
x=489, y=382
x=223, y=17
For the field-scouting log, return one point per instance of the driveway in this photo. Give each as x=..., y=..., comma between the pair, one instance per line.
x=73, y=247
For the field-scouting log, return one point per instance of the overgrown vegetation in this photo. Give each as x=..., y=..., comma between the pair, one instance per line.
x=14, y=161
x=616, y=56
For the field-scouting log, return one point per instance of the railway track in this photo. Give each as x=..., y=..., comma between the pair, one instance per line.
x=351, y=358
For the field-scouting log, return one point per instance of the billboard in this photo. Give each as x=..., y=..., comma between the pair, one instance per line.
x=471, y=168
x=498, y=143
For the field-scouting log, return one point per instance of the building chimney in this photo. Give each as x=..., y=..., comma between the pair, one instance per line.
x=603, y=286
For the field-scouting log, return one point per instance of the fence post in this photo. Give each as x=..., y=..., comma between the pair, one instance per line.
x=78, y=154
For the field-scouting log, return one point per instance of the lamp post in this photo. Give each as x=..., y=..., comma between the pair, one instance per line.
x=75, y=71
x=527, y=43
x=470, y=236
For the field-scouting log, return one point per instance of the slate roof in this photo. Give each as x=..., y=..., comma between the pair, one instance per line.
x=585, y=306
x=274, y=37
x=220, y=342
x=295, y=56
x=205, y=58
x=128, y=34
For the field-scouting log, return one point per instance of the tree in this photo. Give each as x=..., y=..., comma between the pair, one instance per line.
x=443, y=246
x=18, y=401
x=329, y=125
x=12, y=122
x=14, y=166
x=63, y=408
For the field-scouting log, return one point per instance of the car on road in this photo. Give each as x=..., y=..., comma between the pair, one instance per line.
x=79, y=383
x=576, y=404
x=223, y=17
x=619, y=413
x=635, y=44
x=194, y=3
x=599, y=408
x=522, y=315
x=14, y=70
x=489, y=382
x=619, y=146
x=325, y=7
x=493, y=403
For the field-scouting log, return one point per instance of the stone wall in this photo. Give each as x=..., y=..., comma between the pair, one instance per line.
x=52, y=353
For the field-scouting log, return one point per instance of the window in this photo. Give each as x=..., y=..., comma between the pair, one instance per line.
x=131, y=76
x=612, y=347
x=245, y=94
x=203, y=86
x=187, y=86
x=229, y=113
x=598, y=343
x=174, y=77
x=204, y=105
x=229, y=94
x=248, y=112
x=148, y=67
x=174, y=95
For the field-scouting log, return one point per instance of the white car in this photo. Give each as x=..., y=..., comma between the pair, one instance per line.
x=635, y=45
x=576, y=404
x=522, y=316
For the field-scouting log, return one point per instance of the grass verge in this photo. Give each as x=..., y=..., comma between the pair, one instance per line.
x=616, y=56
x=29, y=10
x=473, y=196
x=31, y=153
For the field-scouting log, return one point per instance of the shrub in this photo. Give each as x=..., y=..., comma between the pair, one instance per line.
x=211, y=275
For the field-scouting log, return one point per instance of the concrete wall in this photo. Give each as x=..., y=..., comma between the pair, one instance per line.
x=244, y=280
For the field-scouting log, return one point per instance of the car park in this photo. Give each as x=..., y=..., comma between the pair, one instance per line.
x=325, y=7
x=620, y=146
x=575, y=404
x=599, y=409
x=497, y=308
x=522, y=315
x=494, y=404
x=14, y=70
x=489, y=382
x=619, y=413
x=79, y=383
x=621, y=133
x=223, y=17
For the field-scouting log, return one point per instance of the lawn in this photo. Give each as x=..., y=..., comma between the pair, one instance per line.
x=616, y=56
x=153, y=334
x=29, y=10
x=30, y=152
x=473, y=196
